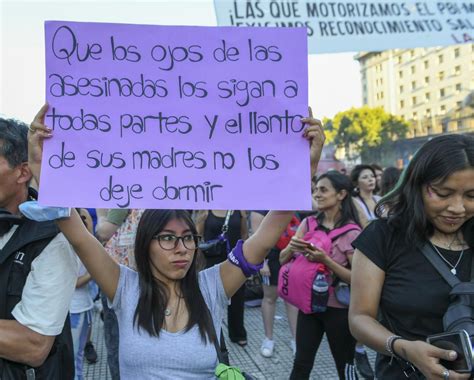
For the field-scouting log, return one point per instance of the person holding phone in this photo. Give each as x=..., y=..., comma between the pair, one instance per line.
x=336, y=210
x=433, y=205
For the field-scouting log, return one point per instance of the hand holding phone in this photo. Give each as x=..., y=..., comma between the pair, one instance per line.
x=458, y=341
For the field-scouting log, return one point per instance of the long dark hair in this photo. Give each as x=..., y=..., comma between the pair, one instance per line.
x=348, y=211
x=435, y=161
x=150, y=311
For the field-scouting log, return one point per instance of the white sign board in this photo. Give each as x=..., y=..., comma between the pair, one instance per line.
x=344, y=25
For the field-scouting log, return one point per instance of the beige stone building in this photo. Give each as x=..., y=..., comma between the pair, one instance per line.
x=431, y=88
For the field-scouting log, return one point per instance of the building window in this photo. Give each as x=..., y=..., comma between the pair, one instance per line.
x=427, y=96
x=412, y=53
x=428, y=112
x=413, y=69
x=413, y=100
x=442, y=93
x=413, y=84
x=441, y=75
x=442, y=109
x=400, y=59
x=381, y=94
x=400, y=74
x=457, y=52
x=427, y=80
x=401, y=89
x=458, y=87
x=440, y=58
x=427, y=64
x=415, y=116
x=402, y=103
x=457, y=70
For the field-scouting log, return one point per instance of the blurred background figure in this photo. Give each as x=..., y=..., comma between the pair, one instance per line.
x=269, y=274
x=209, y=225
x=390, y=178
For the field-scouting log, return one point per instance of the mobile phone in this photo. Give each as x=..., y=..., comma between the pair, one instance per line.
x=456, y=341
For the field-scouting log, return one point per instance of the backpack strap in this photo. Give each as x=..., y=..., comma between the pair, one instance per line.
x=311, y=223
x=440, y=266
x=334, y=234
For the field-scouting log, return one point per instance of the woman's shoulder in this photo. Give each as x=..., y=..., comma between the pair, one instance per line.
x=212, y=288
x=380, y=225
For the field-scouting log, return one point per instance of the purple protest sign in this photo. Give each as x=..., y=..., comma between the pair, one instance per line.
x=175, y=117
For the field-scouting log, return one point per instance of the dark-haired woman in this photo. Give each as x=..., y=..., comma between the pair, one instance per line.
x=432, y=206
x=336, y=209
x=363, y=179
x=166, y=308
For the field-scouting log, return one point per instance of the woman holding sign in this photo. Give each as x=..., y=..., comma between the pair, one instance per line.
x=167, y=312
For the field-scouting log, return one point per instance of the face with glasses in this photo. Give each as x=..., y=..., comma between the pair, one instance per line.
x=172, y=251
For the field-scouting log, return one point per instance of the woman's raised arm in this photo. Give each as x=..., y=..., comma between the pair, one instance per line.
x=258, y=245
x=98, y=263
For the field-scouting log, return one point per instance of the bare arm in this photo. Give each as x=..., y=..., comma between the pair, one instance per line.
x=367, y=283
x=295, y=243
x=83, y=280
x=105, y=230
x=340, y=271
x=256, y=248
x=255, y=221
x=23, y=345
x=101, y=267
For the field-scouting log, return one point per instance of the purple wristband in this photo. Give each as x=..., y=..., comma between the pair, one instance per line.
x=236, y=257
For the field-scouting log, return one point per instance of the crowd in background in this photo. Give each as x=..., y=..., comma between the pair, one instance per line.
x=167, y=278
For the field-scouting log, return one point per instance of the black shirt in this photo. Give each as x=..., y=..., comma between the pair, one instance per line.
x=414, y=295
x=213, y=228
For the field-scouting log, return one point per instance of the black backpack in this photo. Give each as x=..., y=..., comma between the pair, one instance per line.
x=460, y=313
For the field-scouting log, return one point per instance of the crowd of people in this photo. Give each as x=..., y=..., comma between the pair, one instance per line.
x=164, y=299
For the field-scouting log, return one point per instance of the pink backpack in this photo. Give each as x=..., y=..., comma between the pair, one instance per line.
x=296, y=277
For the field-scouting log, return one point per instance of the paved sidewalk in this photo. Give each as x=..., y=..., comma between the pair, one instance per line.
x=248, y=358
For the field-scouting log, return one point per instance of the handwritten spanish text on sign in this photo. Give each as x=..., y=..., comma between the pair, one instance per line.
x=175, y=117
x=348, y=25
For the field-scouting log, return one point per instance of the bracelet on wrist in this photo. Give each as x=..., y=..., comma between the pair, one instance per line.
x=389, y=345
x=236, y=257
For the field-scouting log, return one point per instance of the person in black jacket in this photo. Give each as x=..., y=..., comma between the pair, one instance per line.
x=38, y=271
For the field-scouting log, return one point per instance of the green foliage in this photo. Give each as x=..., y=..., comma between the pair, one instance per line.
x=360, y=130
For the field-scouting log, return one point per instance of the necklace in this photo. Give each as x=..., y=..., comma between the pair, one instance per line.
x=453, y=267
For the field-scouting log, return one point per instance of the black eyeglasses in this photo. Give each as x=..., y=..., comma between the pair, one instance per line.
x=169, y=242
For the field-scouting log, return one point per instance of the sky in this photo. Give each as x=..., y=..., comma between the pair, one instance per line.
x=334, y=79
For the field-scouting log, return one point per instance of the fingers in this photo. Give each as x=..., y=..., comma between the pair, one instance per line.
x=458, y=376
x=41, y=114
x=310, y=112
x=449, y=355
x=37, y=129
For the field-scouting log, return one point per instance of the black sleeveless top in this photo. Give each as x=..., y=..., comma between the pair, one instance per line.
x=213, y=227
